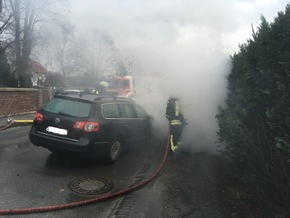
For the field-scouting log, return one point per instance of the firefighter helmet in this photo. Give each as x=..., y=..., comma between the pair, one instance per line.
x=103, y=83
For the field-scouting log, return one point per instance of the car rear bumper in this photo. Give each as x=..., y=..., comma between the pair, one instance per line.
x=83, y=145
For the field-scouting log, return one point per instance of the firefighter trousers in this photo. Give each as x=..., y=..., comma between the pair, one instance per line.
x=175, y=135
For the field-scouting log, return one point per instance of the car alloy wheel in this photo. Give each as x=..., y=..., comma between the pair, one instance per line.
x=115, y=150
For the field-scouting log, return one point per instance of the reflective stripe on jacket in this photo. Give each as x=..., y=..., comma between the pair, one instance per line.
x=175, y=122
x=176, y=108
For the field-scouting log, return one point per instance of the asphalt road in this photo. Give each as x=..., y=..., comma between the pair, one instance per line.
x=34, y=177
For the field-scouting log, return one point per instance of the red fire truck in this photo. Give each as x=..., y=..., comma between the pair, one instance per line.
x=120, y=86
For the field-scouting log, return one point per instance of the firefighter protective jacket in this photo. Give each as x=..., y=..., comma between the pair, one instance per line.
x=173, y=113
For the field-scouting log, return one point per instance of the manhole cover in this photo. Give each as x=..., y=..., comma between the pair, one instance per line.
x=91, y=186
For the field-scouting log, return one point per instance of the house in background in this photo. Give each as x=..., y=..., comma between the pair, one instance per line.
x=38, y=73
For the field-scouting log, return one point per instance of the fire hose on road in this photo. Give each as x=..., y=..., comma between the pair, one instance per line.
x=94, y=200
x=10, y=121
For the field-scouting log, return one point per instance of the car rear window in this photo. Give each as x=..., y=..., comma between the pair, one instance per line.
x=68, y=107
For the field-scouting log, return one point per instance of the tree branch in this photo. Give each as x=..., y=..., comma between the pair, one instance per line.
x=6, y=23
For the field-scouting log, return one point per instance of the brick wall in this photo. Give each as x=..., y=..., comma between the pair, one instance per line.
x=21, y=100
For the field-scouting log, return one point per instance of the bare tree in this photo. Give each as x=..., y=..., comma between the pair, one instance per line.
x=102, y=53
x=6, y=27
x=6, y=21
x=57, y=38
x=28, y=16
x=25, y=18
x=66, y=35
x=92, y=53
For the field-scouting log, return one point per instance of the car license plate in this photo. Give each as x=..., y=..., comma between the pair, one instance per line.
x=56, y=130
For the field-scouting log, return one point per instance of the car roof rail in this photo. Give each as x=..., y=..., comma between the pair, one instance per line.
x=113, y=97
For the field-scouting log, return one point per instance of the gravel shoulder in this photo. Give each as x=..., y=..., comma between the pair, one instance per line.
x=190, y=179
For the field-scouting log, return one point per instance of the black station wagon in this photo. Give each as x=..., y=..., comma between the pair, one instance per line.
x=89, y=124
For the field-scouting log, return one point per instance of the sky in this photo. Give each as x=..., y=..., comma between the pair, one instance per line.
x=188, y=42
x=134, y=23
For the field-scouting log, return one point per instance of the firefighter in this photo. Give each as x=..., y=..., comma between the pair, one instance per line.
x=101, y=89
x=176, y=122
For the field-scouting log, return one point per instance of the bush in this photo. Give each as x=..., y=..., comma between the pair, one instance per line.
x=255, y=125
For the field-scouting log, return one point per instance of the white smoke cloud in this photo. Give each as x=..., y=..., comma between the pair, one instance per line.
x=186, y=43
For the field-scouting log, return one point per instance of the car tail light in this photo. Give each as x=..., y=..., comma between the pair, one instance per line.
x=86, y=126
x=79, y=125
x=38, y=117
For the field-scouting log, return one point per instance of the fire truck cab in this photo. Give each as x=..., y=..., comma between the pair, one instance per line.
x=120, y=86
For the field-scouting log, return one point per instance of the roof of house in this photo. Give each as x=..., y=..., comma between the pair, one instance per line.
x=37, y=67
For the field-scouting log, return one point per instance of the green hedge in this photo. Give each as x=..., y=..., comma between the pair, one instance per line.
x=255, y=124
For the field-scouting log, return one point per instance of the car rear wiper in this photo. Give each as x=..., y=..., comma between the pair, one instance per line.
x=64, y=114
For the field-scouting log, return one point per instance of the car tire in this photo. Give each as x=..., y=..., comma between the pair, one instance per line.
x=114, y=151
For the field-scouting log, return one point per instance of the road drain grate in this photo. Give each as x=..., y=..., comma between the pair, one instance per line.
x=91, y=186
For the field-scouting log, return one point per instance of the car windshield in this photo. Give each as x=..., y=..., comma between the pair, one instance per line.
x=68, y=107
x=117, y=83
